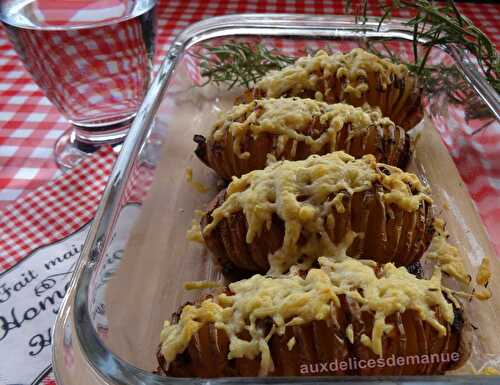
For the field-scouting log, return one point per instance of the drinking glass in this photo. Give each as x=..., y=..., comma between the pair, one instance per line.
x=92, y=58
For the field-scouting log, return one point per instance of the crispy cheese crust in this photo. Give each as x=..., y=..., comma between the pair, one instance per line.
x=355, y=78
x=294, y=212
x=343, y=311
x=292, y=129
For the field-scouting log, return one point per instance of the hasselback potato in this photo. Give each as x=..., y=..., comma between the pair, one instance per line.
x=346, y=318
x=356, y=77
x=293, y=212
x=293, y=129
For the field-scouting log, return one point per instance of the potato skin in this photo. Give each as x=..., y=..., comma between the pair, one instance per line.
x=389, y=144
x=325, y=342
x=391, y=234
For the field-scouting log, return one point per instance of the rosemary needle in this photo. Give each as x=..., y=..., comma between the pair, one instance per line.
x=236, y=63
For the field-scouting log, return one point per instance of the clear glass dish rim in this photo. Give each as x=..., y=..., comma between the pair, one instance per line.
x=110, y=367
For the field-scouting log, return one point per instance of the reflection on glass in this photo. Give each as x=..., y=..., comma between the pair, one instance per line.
x=93, y=60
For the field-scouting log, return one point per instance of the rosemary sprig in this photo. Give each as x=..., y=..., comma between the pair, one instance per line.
x=439, y=78
x=444, y=24
x=235, y=63
x=437, y=25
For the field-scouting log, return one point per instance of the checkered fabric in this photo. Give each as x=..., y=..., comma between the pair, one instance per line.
x=55, y=210
x=29, y=126
x=477, y=159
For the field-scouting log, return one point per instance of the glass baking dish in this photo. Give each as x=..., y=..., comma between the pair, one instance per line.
x=130, y=275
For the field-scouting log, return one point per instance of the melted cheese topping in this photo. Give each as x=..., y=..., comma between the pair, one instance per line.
x=395, y=290
x=484, y=273
x=303, y=194
x=445, y=255
x=292, y=300
x=308, y=73
x=198, y=186
x=483, y=294
x=200, y=285
x=290, y=118
x=194, y=234
x=349, y=333
x=490, y=371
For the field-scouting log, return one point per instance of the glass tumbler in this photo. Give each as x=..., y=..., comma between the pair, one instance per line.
x=93, y=60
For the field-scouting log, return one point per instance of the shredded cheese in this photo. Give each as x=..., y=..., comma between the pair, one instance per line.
x=194, y=233
x=445, y=255
x=200, y=285
x=293, y=300
x=482, y=294
x=349, y=333
x=490, y=371
x=303, y=194
x=292, y=119
x=396, y=289
x=198, y=186
x=484, y=273
x=309, y=74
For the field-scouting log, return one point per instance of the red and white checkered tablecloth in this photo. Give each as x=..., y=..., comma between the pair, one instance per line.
x=54, y=211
